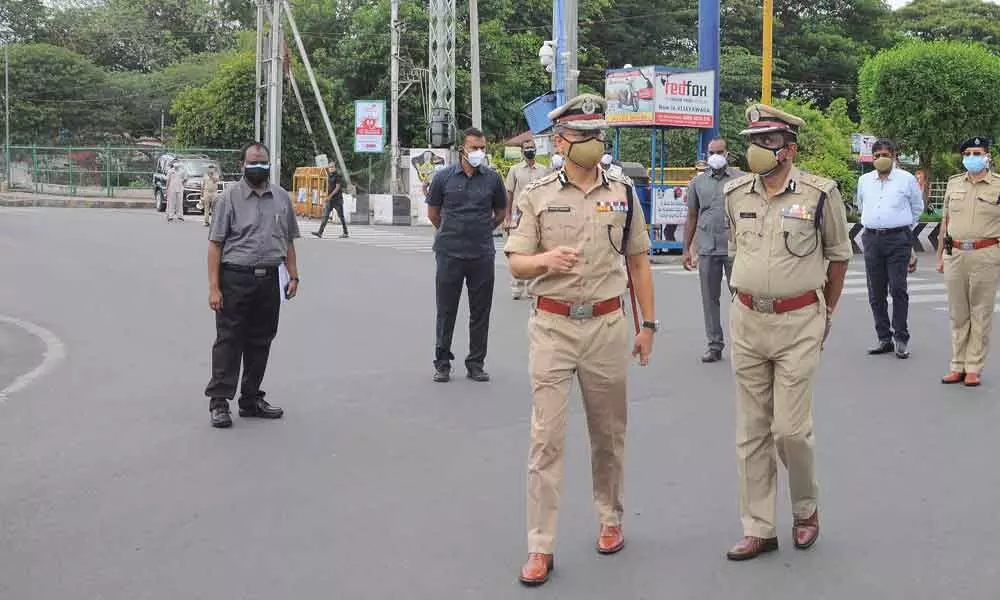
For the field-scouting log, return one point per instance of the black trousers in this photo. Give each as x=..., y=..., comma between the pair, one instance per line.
x=887, y=257
x=336, y=204
x=245, y=327
x=478, y=275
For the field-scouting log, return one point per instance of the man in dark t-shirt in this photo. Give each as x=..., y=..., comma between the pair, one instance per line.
x=334, y=202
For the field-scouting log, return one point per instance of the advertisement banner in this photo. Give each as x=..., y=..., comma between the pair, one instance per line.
x=369, y=126
x=423, y=163
x=658, y=96
x=669, y=204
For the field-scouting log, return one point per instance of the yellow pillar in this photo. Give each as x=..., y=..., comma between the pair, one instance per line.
x=768, y=61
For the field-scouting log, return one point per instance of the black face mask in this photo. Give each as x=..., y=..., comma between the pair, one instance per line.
x=256, y=175
x=529, y=154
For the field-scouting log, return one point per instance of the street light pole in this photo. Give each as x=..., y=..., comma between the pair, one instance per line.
x=477, y=109
x=395, y=186
x=768, y=63
x=6, y=108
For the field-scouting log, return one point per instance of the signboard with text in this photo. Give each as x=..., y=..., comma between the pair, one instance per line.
x=369, y=126
x=658, y=96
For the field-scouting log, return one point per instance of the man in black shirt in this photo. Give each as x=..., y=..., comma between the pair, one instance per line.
x=334, y=202
x=466, y=202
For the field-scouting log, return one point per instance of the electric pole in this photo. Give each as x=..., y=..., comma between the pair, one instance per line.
x=441, y=71
x=259, y=83
x=477, y=109
x=6, y=108
x=395, y=186
x=571, y=23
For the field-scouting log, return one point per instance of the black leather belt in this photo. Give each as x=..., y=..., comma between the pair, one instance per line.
x=259, y=271
x=887, y=231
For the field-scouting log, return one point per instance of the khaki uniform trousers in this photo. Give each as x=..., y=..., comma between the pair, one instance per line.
x=597, y=351
x=208, y=201
x=971, y=277
x=774, y=358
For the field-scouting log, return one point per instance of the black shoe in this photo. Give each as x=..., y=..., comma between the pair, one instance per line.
x=711, y=356
x=343, y=235
x=477, y=374
x=318, y=234
x=881, y=348
x=260, y=410
x=442, y=375
x=901, y=350
x=221, y=418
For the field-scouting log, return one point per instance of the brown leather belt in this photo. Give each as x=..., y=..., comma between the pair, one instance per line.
x=778, y=305
x=973, y=244
x=578, y=311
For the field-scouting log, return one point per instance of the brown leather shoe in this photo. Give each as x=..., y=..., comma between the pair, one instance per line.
x=611, y=539
x=536, y=570
x=806, y=531
x=751, y=547
x=972, y=379
x=953, y=377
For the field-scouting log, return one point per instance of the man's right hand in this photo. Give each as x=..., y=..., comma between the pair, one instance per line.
x=690, y=261
x=561, y=259
x=215, y=299
x=940, y=264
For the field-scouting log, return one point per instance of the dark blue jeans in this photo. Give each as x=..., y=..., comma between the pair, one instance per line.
x=478, y=276
x=887, y=257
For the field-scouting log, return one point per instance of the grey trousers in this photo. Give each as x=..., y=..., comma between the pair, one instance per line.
x=711, y=268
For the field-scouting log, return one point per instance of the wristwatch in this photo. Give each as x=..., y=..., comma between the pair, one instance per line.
x=654, y=325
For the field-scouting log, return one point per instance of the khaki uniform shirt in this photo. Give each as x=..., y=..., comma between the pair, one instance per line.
x=520, y=175
x=780, y=253
x=555, y=212
x=973, y=209
x=209, y=186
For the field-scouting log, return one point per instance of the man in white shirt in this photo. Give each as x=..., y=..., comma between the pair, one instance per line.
x=890, y=202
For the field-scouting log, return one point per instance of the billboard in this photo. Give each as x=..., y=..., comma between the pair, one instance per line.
x=369, y=126
x=660, y=96
x=423, y=163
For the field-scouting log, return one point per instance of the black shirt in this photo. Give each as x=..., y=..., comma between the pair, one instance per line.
x=467, y=210
x=332, y=180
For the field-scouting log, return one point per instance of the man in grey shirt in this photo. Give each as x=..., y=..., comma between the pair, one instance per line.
x=707, y=216
x=252, y=233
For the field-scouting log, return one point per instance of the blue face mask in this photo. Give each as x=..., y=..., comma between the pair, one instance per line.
x=974, y=163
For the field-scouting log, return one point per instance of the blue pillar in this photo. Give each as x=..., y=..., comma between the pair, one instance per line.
x=708, y=59
x=559, y=35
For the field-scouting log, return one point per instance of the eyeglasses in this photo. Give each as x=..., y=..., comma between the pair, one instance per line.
x=882, y=155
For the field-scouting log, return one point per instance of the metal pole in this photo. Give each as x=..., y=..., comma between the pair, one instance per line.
x=257, y=82
x=558, y=66
x=6, y=110
x=394, y=183
x=708, y=59
x=477, y=109
x=302, y=109
x=765, y=71
x=571, y=22
x=274, y=87
x=319, y=97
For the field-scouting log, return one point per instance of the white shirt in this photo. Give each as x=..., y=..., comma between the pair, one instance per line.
x=893, y=202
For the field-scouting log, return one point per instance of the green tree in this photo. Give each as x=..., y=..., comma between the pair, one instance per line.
x=931, y=95
x=824, y=145
x=24, y=19
x=53, y=89
x=955, y=20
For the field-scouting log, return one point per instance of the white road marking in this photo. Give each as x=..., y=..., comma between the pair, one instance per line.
x=55, y=352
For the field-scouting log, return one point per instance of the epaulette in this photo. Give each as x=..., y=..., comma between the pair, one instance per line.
x=820, y=183
x=544, y=179
x=956, y=176
x=618, y=176
x=738, y=182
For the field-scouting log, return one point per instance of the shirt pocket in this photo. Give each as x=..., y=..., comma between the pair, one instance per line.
x=561, y=226
x=746, y=232
x=279, y=224
x=611, y=229
x=800, y=236
x=956, y=203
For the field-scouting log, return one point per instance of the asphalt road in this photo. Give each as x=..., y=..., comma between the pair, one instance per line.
x=381, y=484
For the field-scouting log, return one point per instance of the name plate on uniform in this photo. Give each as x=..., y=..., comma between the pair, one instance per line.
x=558, y=209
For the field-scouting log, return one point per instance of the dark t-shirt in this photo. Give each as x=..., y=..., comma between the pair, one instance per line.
x=332, y=180
x=467, y=208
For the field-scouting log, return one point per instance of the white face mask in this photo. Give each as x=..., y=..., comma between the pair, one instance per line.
x=717, y=161
x=606, y=160
x=475, y=157
x=557, y=161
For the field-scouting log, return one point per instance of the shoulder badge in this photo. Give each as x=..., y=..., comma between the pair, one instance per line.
x=820, y=183
x=738, y=182
x=543, y=180
x=956, y=176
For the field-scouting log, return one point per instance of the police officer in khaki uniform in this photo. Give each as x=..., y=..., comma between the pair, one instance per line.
x=969, y=257
x=570, y=235
x=518, y=177
x=785, y=226
x=209, y=189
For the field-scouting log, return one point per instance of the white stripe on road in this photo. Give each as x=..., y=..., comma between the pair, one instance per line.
x=923, y=287
x=55, y=352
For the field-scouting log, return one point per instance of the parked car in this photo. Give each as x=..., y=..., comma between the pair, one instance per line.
x=194, y=167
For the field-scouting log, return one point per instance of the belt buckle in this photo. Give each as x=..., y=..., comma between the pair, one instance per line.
x=260, y=272
x=966, y=245
x=581, y=311
x=763, y=305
